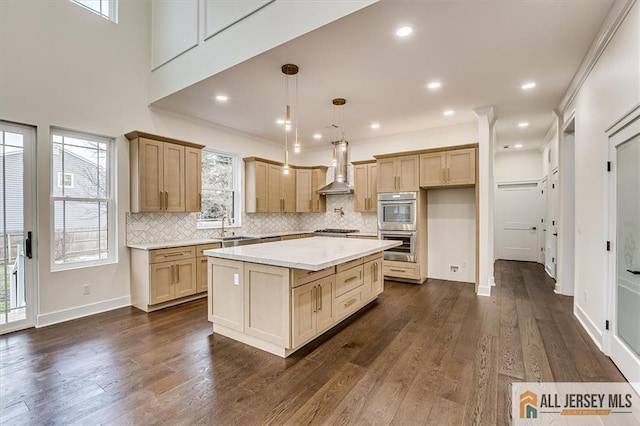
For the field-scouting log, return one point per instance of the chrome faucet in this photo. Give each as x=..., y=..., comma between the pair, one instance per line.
x=222, y=231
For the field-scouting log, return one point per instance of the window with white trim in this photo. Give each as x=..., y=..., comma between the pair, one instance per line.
x=105, y=8
x=82, y=204
x=220, y=189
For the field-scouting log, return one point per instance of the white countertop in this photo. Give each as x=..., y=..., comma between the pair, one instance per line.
x=194, y=242
x=308, y=253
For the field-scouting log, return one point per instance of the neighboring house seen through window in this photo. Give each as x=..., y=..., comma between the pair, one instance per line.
x=220, y=190
x=82, y=200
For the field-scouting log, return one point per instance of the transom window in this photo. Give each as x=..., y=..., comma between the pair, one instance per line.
x=220, y=189
x=105, y=8
x=83, y=208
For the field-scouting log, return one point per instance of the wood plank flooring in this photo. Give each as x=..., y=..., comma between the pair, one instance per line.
x=431, y=354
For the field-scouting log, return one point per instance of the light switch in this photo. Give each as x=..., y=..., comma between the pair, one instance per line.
x=236, y=279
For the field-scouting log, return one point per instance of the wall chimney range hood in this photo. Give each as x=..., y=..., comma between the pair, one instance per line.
x=340, y=184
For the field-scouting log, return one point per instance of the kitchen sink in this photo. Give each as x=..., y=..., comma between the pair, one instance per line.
x=238, y=241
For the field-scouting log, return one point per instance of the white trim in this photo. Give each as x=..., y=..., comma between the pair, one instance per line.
x=82, y=311
x=612, y=22
x=485, y=290
x=589, y=326
x=517, y=182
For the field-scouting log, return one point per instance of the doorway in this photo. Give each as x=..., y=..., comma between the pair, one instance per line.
x=517, y=216
x=565, y=260
x=624, y=231
x=17, y=219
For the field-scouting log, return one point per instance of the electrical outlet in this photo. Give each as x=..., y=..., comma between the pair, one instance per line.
x=86, y=289
x=453, y=268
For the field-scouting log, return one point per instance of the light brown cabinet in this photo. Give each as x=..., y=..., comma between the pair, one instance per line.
x=201, y=266
x=268, y=189
x=373, y=277
x=365, y=186
x=165, y=174
x=308, y=181
x=398, y=174
x=447, y=168
x=312, y=310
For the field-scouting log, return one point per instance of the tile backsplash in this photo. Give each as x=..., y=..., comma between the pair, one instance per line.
x=159, y=227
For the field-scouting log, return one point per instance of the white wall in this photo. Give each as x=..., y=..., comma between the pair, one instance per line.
x=518, y=166
x=365, y=149
x=452, y=233
x=610, y=91
x=64, y=66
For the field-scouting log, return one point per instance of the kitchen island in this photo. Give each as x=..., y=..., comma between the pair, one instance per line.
x=279, y=296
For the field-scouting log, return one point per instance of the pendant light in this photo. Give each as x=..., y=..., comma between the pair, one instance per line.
x=338, y=106
x=289, y=70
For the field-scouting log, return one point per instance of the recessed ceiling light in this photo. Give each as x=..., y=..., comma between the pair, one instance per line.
x=375, y=125
x=528, y=85
x=280, y=121
x=317, y=136
x=523, y=124
x=518, y=145
x=222, y=98
x=404, y=31
x=449, y=112
x=434, y=85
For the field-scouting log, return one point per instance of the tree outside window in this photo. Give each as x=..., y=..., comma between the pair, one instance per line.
x=220, y=198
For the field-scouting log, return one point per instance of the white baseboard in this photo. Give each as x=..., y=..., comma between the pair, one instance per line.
x=82, y=311
x=485, y=290
x=590, y=327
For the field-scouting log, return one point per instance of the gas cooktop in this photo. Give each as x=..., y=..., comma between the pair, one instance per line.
x=336, y=232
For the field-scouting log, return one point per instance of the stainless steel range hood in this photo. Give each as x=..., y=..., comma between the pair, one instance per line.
x=340, y=184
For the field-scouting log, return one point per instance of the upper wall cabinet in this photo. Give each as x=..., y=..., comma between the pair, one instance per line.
x=267, y=188
x=308, y=181
x=398, y=174
x=365, y=182
x=446, y=168
x=165, y=174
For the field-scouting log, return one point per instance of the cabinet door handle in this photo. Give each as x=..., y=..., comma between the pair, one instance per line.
x=448, y=175
x=166, y=200
x=203, y=260
x=318, y=204
x=171, y=274
x=320, y=287
x=177, y=273
x=199, y=201
x=315, y=299
x=161, y=200
x=442, y=179
x=257, y=202
x=375, y=269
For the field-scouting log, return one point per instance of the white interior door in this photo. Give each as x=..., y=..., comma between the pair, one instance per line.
x=17, y=238
x=624, y=283
x=551, y=236
x=517, y=208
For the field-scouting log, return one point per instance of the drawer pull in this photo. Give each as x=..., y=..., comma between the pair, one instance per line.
x=173, y=254
x=398, y=270
x=203, y=260
x=350, y=302
x=350, y=279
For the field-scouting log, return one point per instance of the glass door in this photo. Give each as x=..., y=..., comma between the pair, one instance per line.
x=17, y=239
x=625, y=283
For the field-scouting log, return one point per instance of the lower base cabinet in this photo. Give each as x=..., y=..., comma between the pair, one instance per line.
x=404, y=271
x=280, y=309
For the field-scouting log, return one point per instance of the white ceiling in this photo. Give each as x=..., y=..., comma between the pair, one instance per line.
x=481, y=51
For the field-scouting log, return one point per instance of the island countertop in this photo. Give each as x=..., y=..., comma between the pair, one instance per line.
x=311, y=254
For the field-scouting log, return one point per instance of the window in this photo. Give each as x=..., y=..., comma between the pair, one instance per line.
x=220, y=189
x=83, y=209
x=65, y=180
x=105, y=8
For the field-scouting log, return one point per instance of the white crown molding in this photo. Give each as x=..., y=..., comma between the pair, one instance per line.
x=485, y=111
x=612, y=22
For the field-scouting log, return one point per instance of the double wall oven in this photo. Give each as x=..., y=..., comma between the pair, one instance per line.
x=397, y=217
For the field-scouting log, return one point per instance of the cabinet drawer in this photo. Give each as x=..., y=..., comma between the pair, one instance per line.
x=202, y=247
x=170, y=254
x=349, y=265
x=348, y=303
x=376, y=257
x=401, y=269
x=348, y=280
x=303, y=276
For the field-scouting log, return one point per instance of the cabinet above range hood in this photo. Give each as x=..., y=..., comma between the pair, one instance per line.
x=340, y=184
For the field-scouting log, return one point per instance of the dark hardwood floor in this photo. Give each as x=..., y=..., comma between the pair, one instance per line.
x=431, y=354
